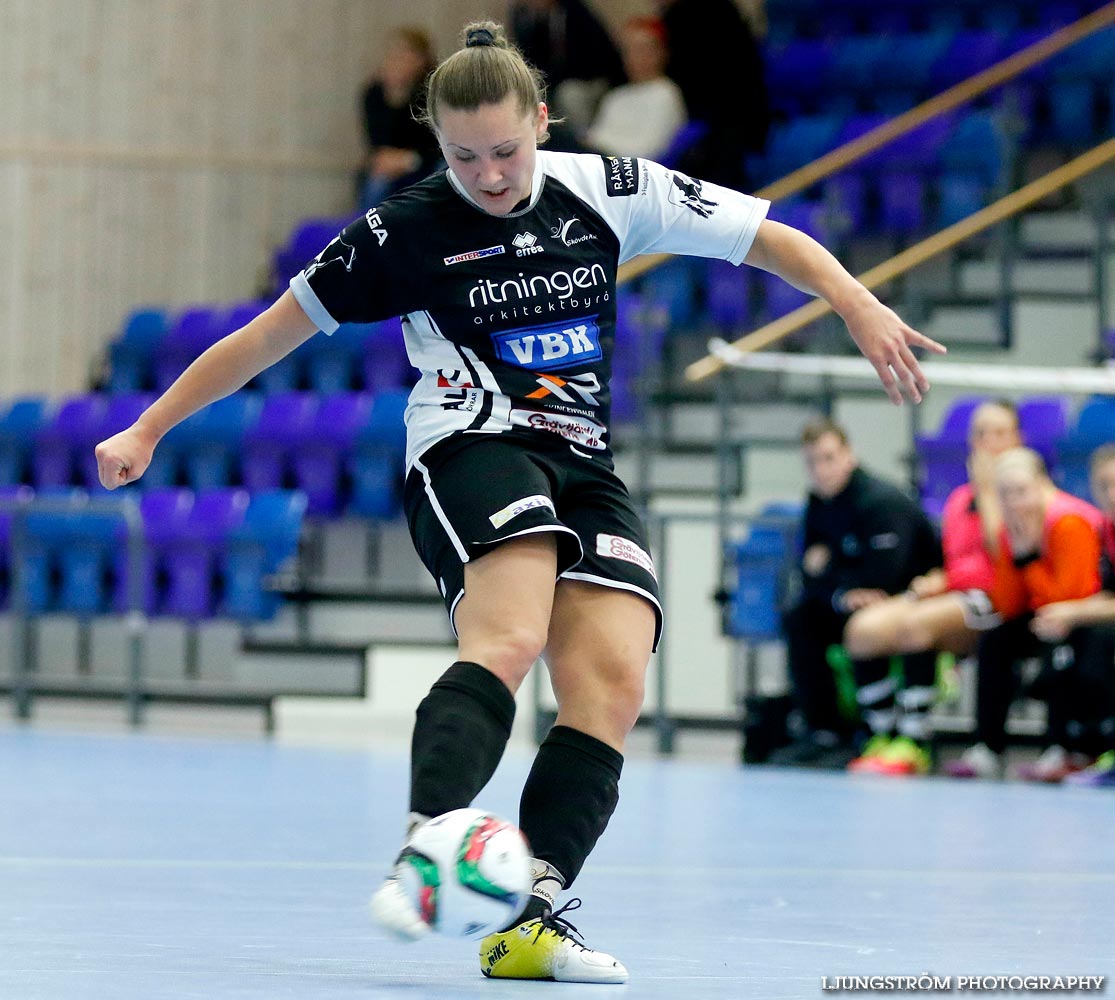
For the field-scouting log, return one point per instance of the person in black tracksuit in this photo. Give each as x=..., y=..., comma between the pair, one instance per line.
x=864, y=539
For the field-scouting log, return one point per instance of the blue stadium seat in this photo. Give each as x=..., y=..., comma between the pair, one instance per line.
x=728, y=295
x=333, y=364
x=754, y=609
x=164, y=513
x=192, y=553
x=258, y=547
x=190, y=334
x=20, y=421
x=375, y=463
x=1073, y=111
x=318, y=461
x=285, y=423
x=47, y=537
x=943, y=457
x=54, y=462
x=87, y=560
x=959, y=194
x=204, y=452
x=798, y=73
x=9, y=495
x=385, y=364
x=131, y=354
x=1095, y=426
x=795, y=143
x=967, y=54
x=1042, y=420
x=121, y=411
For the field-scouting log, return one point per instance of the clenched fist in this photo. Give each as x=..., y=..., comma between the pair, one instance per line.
x=124, y=457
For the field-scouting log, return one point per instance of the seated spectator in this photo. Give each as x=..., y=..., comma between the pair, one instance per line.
x=641, y=117
x=947, y=608
x=576, y=55
x=401, y=150
x=1082, y=638
x=716, y=61
x=864, y=539
x=1049, y=552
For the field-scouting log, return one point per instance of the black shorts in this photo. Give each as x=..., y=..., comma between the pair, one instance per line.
x=469, y=493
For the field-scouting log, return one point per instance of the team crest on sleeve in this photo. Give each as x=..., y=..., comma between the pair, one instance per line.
x=337, y=250
x=621, y=175
x=686, y=192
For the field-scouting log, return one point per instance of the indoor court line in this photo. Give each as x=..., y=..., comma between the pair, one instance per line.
x=137, y=866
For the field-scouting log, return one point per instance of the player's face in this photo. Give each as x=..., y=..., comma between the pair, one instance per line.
x=1021, y=493
x=491, y=150
x=993, y=430
x=1103, y=487
x=830, y=464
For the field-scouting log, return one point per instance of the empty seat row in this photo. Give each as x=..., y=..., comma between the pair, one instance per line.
x=815, y=19
x=344, y=450
x=203, y=555
x=153, y=349
x=1068, y=98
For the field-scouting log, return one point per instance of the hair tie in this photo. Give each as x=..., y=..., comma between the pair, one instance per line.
x=479, y=36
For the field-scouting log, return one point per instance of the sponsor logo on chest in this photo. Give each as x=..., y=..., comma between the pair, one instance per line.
x=527, y=244
x=545, y=348
x=460, y=258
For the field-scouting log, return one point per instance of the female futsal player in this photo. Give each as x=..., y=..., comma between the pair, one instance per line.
x=504, y=269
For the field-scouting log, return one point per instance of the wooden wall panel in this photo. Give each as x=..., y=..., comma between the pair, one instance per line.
x=157, y=151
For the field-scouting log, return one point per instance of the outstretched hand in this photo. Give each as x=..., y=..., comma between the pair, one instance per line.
x=124, y=457
x=886, y=341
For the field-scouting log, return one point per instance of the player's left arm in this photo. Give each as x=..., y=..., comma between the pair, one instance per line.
x=878, y=331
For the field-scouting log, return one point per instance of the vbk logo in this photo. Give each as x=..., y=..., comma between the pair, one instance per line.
x=526, y=243
x=544, y=348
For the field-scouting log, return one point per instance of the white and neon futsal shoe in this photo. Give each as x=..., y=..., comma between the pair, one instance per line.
x=547, y=947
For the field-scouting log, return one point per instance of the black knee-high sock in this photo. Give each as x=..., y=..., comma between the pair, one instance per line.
x=569, y=796
x=917, y=695
x=459, y=737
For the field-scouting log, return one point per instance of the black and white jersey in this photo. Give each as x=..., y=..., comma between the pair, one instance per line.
x=511, y=319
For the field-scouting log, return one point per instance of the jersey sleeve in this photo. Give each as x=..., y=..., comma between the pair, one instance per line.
x=670, y=212
x=363, y=275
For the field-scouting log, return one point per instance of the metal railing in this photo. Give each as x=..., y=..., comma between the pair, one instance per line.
x=962, y=93
x=1005, y=208
x=23, y=661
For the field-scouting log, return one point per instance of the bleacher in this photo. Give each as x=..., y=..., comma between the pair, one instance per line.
x=318, y=438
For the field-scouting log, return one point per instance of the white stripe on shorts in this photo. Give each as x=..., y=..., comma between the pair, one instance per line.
x=453, y=537
x=603, y=581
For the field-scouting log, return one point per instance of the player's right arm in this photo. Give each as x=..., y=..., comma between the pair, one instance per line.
x=225, y=367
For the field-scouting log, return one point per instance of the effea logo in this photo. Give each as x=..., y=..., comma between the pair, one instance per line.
x=525, y=244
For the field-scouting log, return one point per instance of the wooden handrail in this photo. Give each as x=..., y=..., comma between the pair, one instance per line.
x=954, y=97
x=933, y=245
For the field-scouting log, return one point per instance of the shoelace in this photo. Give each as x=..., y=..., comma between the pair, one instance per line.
x=555, y=922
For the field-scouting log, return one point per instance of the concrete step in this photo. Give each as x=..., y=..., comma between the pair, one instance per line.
x=1053, y=277
x=972, y=324
x=1060, y=231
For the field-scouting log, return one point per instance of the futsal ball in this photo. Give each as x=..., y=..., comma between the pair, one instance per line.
x=467, y=872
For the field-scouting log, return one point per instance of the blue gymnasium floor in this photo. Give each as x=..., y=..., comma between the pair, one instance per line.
x=139, y=867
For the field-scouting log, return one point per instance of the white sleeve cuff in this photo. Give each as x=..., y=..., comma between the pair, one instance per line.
x=311, y=304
